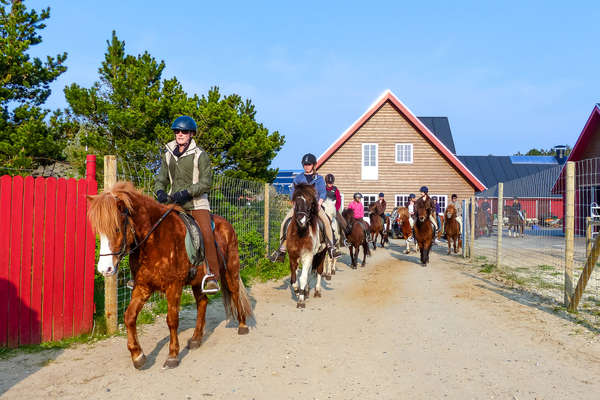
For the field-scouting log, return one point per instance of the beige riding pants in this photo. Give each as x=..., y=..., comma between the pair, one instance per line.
x=322, y=216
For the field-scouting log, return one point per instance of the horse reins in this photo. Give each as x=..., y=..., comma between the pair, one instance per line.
x=123, y=252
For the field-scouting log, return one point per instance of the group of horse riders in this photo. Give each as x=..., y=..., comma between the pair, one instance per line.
x=486, y=208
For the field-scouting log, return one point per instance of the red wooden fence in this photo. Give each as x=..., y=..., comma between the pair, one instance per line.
x=47, y=251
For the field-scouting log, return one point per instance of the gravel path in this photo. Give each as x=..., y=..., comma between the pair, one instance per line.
x=391, y=330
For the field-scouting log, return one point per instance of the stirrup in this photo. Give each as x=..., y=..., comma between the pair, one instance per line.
x=130, y=284
x=203, y=285
x=277, y=256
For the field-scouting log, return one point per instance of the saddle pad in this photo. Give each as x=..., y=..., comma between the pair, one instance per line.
x=194, y=244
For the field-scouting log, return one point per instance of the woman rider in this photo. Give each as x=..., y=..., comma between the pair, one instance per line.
x=333, y=194
x=359, y=212
x=310, y=177
x=185, y=178
x=425, y=197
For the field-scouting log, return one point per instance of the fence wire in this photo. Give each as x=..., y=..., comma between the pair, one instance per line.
x=533, y=242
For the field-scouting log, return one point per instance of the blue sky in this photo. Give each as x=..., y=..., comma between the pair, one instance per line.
x=509, y=76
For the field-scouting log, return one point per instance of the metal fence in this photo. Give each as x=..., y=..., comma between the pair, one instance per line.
x=530, y=247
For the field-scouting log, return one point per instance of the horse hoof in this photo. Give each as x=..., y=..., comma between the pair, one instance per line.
x=300, y=305
x=362, y=265
x=194, y=343
x=327, y=277
x=140, y=361
x=333, y=272
x=306, y=293
x=296, y=290
x=317, y=294
x=171, y=363
x=243, y=330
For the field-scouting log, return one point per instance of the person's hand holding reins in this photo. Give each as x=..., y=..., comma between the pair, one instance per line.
x=162, y=197
x=181, y=197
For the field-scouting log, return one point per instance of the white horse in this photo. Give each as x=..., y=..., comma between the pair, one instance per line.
x=329, y=206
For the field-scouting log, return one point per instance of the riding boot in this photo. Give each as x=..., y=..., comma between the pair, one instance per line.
x=279, y=254
x=332, y=251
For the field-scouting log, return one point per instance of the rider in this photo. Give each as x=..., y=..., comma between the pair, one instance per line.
x=411, y=214
x=438, y=210
x=186, y=173
x=359, y=212
x=517, y=207
x=311, y=177
x=425, y=196
x=485, y=207
x=458, y=206
x=380, y=207
x=333, y=194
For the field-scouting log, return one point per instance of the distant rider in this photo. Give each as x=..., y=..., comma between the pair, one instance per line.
x=412, y=198
x=333, y=194
x=359, y=213
x=380, y=206
x=458, y=206
x=429, y=203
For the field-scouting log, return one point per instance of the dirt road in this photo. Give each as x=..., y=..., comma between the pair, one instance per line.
x=393, y=330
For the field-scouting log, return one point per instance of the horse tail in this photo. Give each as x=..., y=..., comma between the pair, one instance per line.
x=236, y=305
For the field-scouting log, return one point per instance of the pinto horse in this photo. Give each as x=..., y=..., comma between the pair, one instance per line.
x=401, y=217
x=377, y=227
x=329, y=207
x=356, y=235
x=516, y=224
x=423, y=228
x=304, y=244
x=153, y=235
x=452, y=229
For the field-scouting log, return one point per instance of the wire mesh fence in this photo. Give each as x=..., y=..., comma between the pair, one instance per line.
x=241, y=202
x=532, y=249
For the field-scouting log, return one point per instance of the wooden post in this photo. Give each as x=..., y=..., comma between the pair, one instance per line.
x=266, y=226
x=472, y=232
x=500, y=224
x=585, y=275
x=462, y=234
x=569, y=230
x=110, y=282
x=588, y=237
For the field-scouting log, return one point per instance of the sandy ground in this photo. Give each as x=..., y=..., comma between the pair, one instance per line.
x=392, y=330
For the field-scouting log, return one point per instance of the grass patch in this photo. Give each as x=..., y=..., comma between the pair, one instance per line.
x=545, y=267
x=487, y=268
x=556, y=273
x=511, y=276
x=265, y=270
x=481, y=258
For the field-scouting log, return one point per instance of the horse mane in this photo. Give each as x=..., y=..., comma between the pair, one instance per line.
x=103, y=211
x=348, y=212
x=309, y=193
x=451, y=209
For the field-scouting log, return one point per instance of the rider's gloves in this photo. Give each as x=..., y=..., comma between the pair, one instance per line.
x=162, y=197
x=181, y=197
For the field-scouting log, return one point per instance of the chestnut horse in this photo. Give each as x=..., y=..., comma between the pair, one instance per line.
x=452, y=229
x=377, y=227
x=423, y=228
x=516, y=224
x=304, y=244
x=356, y=235
x=153, y=235
x=401, y=217
x=483, y=225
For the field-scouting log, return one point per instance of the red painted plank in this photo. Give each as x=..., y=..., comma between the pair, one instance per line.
x=14, y=274
x=26, y=254
x=6, y=291
x=49, y=223
x=39, y=203
x=70, y=226
x=58, y=292
x=80, y=256
x=90, y=265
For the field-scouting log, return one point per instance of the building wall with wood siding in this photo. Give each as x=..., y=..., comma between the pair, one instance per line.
x=386, y=128
x=593, y=148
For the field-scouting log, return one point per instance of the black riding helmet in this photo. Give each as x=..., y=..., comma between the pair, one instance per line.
x=412, y=196
x=357, y=195
x=308, y=159
x=329, y=178
x=424, y=189
x=184, y=123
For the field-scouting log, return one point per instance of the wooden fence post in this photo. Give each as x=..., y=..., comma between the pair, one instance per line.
x=500, y=224
x=569, y=231
x=110, y=282
x=588, y=237
x=464, y=250
x=266, y=226
x=472, y=229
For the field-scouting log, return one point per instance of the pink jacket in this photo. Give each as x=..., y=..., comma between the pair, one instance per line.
x=359, y=211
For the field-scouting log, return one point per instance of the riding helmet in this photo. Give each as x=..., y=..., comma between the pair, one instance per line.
x=329, y=178
x=412, y=196
x=308, y=159
x=184, y=123
x=357, y=195
x=453, y=196
x=381, y=194
x=424, y=189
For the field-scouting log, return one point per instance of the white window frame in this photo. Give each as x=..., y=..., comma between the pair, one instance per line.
x=363, y=202
x=441, y=196
x=369, y=172
x=411, y=153
x=404, y=198
x=342, y=198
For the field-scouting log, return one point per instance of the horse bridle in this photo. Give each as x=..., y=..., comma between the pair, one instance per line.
x=123, y=251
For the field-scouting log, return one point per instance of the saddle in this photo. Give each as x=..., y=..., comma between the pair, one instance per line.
x=194, y=242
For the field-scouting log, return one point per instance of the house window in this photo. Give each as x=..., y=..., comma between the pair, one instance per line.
x=442, y=201
x=369, y=161
x=401, y=200
x=404, y=153
x=367, y=200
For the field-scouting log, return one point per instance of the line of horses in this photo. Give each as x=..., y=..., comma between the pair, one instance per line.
x=154, y=238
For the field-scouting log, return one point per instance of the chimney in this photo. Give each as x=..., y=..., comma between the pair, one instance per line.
x=560, y=152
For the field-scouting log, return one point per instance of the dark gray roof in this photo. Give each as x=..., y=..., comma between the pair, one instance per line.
x=440, y=127
x=493, y=169
x=538, y=184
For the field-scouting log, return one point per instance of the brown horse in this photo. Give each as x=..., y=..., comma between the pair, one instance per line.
x=304, y=244
x=402, y=218
x=377, y=227
x=482, y=223
x=423, y=228
x=129, y=222
x=516, y=224
x=356, y=235
x=452, y=229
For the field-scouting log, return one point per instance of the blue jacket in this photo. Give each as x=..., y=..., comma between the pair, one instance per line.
x=316, y=180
